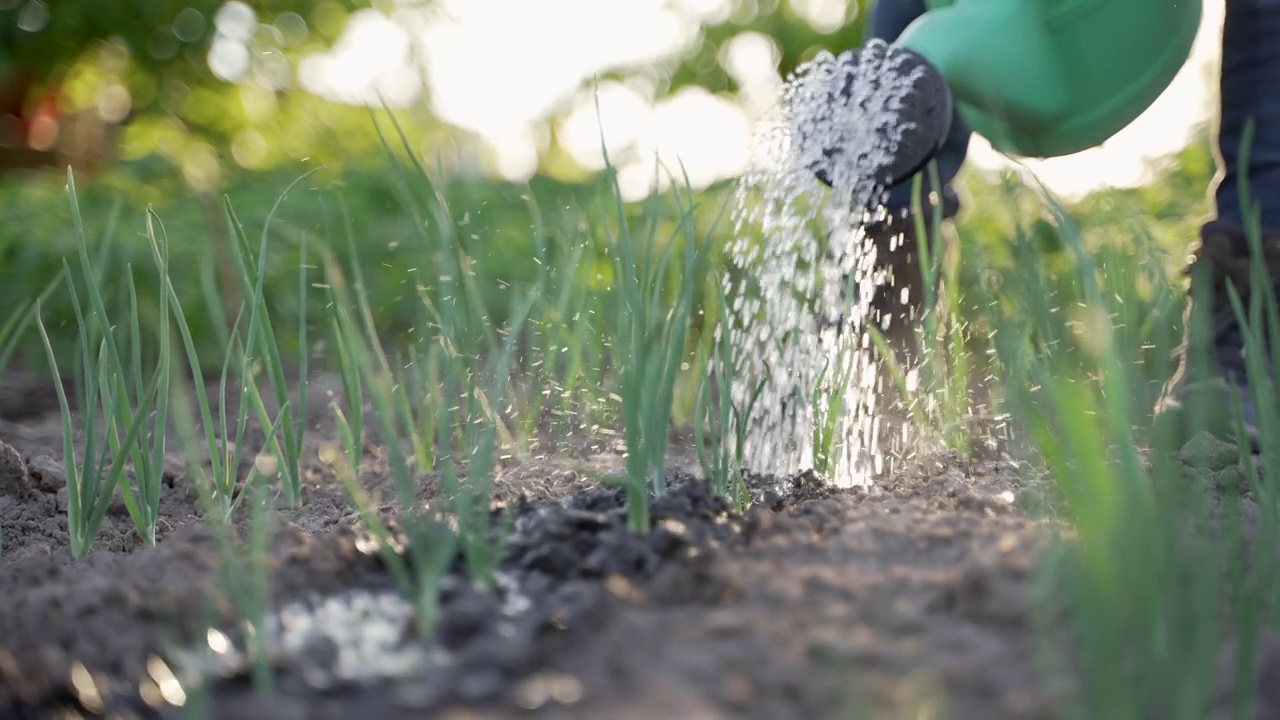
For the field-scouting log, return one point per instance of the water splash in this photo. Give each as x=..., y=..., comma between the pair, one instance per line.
x=804, y=267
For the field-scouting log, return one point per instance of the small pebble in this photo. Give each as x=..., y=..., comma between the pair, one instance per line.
x=13, y=473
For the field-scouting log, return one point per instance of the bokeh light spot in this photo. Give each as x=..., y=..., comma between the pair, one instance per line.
x=259, y=103
x=825, y=16
x=189, y=25
x=236, y=21
x=328, y=19
x=114, y=103
x=34, y=16
x=249, y=149
x=228, y=58
x=200, y=167
x=43, y=132
x=163, y=44
x=293, y=29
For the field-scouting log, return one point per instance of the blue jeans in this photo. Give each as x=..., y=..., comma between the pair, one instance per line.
x=1250, y=87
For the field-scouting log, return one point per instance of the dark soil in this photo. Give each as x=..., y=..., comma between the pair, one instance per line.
x=904, y=599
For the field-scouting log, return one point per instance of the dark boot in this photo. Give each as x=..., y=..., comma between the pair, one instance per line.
x=898, y=306
x=1211, y=381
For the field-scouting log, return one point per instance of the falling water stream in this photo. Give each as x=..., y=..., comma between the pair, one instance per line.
x=804, y=268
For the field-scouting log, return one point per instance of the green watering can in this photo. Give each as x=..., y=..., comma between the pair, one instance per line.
x=1038, y=78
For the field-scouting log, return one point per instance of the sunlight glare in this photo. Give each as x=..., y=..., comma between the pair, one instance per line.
x=516, y=154
x=621, y=114
x=499, y=68
x=495, y=65
x=826, y=16
x=371, y=62
x=751, y=60
x=693, y=132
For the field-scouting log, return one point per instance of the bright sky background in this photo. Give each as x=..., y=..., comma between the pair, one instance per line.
x=500, y=68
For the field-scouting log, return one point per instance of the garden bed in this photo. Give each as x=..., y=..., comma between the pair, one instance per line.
x=815, y=603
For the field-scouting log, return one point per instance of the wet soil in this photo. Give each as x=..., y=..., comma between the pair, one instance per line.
x=906, y=598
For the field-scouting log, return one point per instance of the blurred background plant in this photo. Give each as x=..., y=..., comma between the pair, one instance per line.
x=212, y=86
x=172, y=103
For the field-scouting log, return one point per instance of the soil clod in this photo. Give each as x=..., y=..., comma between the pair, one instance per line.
x=14, y=483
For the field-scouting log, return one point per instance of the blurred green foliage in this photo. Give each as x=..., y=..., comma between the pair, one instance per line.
x=165, y=67
x=167, y=39
x=151, y=65
x=193, y=136
x=1168, y=209
x=364, y=205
